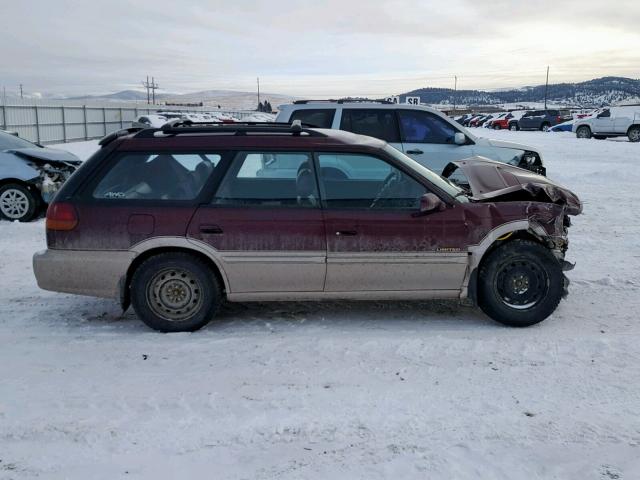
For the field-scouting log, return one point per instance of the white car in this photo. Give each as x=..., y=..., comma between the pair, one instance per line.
x=610, y=122
x=150, y=121
x=425, y=134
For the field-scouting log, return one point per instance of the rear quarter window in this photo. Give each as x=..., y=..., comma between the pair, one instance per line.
x=320, y=118
x=157, y=176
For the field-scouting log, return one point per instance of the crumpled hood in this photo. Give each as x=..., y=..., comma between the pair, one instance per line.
x=495, y=181
x=49, y=155
x=518, y=146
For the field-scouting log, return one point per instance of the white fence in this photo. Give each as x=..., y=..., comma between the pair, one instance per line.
x=57, y=122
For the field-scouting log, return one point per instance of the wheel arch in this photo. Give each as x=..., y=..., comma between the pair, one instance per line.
x=633, y=125
x=497, y=237
x=156, y=246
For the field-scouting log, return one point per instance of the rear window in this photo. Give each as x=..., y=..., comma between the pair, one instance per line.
x=376, y=123
x=162, y=176
x=320, y=118
x=269, y=179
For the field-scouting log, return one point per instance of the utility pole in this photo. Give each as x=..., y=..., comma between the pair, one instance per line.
x=546, y=88
x=20, y=90
x=146, y=86
x=151, y=89
x=258, y=80
x=154, y=87
x=455, y=92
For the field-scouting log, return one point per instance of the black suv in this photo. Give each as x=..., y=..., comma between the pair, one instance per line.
x=543, y=119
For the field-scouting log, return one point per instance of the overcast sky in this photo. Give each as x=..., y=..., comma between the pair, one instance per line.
x=321, y=48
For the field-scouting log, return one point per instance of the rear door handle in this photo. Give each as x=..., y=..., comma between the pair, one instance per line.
x=211, y=229
x=346, y=233
x=415, y=152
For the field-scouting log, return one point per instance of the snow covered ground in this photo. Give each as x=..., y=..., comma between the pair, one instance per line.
x=339, y=390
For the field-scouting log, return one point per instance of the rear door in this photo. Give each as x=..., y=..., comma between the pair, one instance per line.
x=374, y=122
x=429, y=139
x=266, y=224
x=375, y=241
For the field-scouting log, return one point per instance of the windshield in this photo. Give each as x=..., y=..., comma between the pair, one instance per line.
x=8, y=142
x=433, y=177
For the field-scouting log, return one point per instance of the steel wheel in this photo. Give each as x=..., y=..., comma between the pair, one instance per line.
x=174, y=294
x=521, y=284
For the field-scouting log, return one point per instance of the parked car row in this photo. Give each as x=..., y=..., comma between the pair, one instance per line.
x=517, y=120
x=600, y=123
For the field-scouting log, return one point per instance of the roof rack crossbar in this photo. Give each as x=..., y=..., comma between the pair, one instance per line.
x=344, y=100
x=178, y=127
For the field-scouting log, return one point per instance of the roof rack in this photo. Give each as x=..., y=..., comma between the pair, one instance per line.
x=343, y=100
x=118, y=133
x=179, y=126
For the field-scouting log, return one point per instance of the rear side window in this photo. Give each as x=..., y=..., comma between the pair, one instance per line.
x=320, y=118
x=157, y=176
x=270, y=179
x=423, y=127
x=380, y=124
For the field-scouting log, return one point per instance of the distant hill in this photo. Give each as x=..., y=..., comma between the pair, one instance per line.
x=592, y=93
x=227, y=99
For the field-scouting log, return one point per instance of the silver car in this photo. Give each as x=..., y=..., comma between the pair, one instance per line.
x=30, y=175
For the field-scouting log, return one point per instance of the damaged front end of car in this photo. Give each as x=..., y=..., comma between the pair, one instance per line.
x=542, y=206
x=50, y=173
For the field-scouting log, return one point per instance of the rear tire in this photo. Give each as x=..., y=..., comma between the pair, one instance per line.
x=634, y=134
x=520, y=283
x=545, y=127
x=17, y=203
x=175, y=292
x=497, y=127
x=583, y=132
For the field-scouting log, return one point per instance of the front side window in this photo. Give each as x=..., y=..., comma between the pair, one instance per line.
x=320, y=118
x=164, y=176
x=272, y=179
x=424, y=127
x=365, y=182
x=376, y=123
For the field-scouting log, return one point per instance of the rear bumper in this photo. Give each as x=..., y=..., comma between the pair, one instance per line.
x=94, y=273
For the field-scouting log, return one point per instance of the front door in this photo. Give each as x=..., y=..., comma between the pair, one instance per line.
x=429, y=139
x=374, y=240
x=603, y=123
x=266, y=224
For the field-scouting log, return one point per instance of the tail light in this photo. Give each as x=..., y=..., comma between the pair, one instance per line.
x=61, y=217
x=559, y=119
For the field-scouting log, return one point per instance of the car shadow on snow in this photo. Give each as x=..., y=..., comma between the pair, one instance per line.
x=83, y=312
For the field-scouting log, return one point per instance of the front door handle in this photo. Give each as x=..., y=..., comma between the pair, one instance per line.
x=210, y=229
x=415, y=152
x=346, y=233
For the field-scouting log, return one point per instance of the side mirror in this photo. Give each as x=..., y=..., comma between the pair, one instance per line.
x=429, y=203
x=459, y=138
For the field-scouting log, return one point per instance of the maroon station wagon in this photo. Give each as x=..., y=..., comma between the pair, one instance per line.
x=177, y=219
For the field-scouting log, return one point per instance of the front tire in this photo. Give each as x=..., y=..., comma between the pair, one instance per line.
x=583, y=132
x=175, y=292
x=17, y=203
x=520, y=283
x=514, y=127
x=634, y=134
